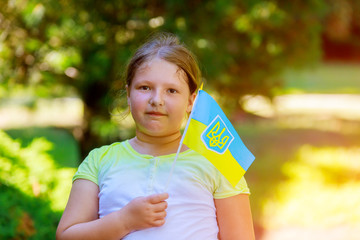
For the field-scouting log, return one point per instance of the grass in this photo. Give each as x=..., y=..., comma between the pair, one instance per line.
x=324, y=78
x=306, y=174
x=302, y=178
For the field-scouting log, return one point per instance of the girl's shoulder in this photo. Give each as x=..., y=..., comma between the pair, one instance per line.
x=107, y=150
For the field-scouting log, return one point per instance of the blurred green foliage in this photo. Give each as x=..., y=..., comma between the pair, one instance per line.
x=33, y=190
x=242, y=44
x=61, y=48
x=64, y=149
x=79, y=48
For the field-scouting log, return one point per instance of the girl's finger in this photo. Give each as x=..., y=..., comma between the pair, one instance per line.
x=160, y=215
x=158, y=223
x=159, y=207
x=159, y=197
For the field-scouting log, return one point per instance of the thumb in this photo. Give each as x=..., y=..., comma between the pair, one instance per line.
x=158, y=197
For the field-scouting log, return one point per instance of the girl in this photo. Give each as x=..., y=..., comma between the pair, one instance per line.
x=118, y=190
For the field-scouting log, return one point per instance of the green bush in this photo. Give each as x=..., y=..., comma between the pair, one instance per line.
x=33, y=189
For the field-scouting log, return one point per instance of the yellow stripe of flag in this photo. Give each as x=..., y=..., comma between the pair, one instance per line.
x=226, y=164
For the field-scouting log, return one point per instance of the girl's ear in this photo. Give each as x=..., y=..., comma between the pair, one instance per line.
x=191, y=102
x=127, y=94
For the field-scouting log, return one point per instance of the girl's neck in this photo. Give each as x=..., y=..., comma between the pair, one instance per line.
x=156, y=146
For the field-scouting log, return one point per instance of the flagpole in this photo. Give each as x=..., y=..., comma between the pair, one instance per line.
x=180, y=144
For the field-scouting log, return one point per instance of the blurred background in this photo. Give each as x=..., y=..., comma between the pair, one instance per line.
x=287, y=73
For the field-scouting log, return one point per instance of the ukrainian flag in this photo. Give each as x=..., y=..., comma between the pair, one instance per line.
x=210, y=133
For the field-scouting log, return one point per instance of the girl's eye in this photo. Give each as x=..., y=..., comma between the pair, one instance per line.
x=144, y=88
x=172, y=90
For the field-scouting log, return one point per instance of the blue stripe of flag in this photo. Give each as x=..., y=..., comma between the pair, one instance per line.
x=205, y=111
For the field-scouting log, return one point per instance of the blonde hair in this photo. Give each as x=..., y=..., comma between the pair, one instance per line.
x=166, y=46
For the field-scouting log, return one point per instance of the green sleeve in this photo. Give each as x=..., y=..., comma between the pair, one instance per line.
x=224, y=189
x=89, y=168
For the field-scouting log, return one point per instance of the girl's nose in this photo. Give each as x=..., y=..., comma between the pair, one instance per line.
x=156, y=99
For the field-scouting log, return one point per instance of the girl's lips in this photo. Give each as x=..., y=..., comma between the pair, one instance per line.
x=156, y=113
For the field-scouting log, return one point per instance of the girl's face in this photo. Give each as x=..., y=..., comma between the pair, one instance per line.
x=159, y=98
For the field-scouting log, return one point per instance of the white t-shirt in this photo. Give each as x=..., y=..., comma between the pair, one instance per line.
x=123, y=174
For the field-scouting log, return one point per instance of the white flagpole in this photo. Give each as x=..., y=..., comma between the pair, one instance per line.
x=181, y=142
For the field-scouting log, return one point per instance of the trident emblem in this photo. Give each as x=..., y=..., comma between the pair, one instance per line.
x=215, y=139
x=217, y=136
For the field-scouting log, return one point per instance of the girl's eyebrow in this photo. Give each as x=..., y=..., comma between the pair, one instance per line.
x=142, y=81
x=175, y=83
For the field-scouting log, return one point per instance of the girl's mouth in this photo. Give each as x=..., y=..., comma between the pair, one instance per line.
x=156, y=113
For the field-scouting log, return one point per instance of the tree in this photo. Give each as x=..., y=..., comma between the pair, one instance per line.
x=81, y=47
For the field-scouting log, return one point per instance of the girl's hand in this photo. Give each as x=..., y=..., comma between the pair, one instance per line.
x=80, y=219
x=145, y=212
